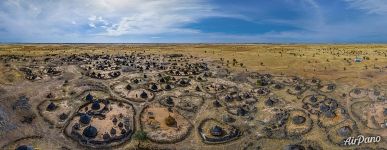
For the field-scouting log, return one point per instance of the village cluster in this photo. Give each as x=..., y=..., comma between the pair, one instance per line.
x=103, y=101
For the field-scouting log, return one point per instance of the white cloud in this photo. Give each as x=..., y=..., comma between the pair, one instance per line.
x=370, y=6
x=92, y=18
x=312, y=3
x=143, y=20
x=103, y=17
x=160, y=16
x=92, y=25
x=98, y=22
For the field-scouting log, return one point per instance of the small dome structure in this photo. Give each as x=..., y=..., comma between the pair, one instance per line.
x=63, y=116
x=184, y=81
x=198, y=89
x=313, y=98
x=123, y=131
x=169, y=101
x=228, y=98
x=25, y=147
x=324, y=108
x=95, y=105
x=241, y=111
x=89, y=97
x=136, y=81
x=329, y=114
x=128, y=87
x=298, y=88
x=51, y=107
x=294, y=147
x=331, y=86
x=106, y=136
x=216, y=131
x=168, y=87
x=154, y=87
x=271, y=101
x=76, y=126
x=278, y=86
x=344, y=131
x=114, y=120
x=143, y=95
x=90, y=132
x=120, y=124
x=113, y=131
x=357, y=91
x=85, y=119
x=50, y=95
x=216, y=103
x=298, y=120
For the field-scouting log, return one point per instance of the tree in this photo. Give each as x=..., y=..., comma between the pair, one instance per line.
x=140, y=136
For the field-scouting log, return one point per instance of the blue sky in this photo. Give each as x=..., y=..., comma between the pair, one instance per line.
x=186, y=21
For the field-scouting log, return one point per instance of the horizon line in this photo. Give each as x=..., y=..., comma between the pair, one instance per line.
x=194, y=43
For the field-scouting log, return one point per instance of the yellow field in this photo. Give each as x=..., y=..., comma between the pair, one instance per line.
x=327, y=62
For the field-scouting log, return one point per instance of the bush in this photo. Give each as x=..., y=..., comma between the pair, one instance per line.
x=140, y=135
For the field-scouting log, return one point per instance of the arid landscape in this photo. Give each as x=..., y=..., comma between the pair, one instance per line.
x=192, y=96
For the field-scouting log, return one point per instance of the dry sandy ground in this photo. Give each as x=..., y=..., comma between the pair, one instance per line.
x=326, y=62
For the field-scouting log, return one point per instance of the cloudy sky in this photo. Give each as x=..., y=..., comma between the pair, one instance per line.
x=175, y=21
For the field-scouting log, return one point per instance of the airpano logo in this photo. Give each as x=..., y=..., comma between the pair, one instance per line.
x=361, y=140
